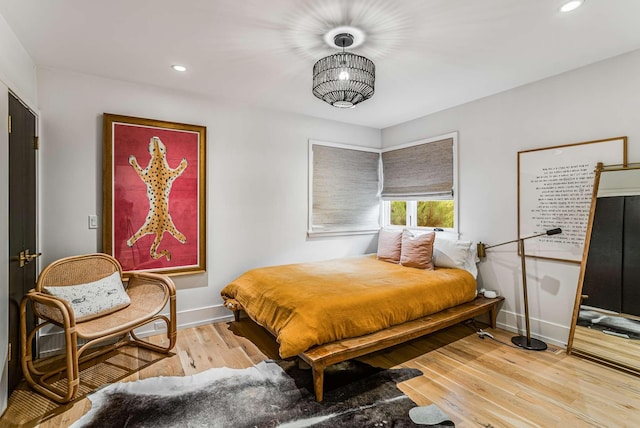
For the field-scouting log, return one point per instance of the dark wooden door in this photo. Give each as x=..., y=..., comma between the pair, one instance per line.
x=22, y=223
x=631, y=257
x=603, y=274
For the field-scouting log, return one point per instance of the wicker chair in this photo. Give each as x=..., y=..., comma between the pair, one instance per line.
x=149, y=294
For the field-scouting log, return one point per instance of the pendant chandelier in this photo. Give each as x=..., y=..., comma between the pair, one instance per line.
x=344, y=79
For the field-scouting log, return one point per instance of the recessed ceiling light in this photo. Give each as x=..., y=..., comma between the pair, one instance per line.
x=177, y=67
x=571, y=5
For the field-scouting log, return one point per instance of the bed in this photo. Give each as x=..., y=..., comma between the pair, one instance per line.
x=330, y=311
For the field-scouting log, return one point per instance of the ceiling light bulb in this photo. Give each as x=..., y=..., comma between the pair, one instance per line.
x=571, y=5
x=179, y=67
x=344, y=75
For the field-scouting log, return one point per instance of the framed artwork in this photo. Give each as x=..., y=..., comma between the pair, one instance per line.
x=154, y=195
x=555, y=187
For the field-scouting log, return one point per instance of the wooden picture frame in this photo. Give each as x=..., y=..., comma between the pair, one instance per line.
x=555, y=186
x=154, y=203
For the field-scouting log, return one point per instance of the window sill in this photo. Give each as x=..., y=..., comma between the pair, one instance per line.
x=316, y=234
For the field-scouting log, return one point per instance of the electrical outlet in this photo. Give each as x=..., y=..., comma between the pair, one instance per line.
x=159, y=325
x=93, y=221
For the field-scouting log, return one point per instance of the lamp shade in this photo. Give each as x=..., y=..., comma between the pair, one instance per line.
x=344, y=79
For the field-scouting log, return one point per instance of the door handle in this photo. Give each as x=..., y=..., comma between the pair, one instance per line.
x=25, y=257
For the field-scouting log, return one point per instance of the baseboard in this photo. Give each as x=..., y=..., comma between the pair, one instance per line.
x=51, y=341
x=548, y=332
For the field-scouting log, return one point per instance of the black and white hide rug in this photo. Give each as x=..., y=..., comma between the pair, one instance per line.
x=269, y=394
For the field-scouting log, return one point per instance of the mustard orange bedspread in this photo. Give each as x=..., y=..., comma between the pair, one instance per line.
x=310, y=304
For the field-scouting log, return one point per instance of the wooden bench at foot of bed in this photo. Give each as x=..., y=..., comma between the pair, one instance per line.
x=323, y=356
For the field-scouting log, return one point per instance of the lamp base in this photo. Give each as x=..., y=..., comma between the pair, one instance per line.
x=530, y=344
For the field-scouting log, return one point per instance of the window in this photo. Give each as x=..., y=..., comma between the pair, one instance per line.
x=435, y=214
x=419, y=181
x=398, y=213
x=416, y=182
x=344, y=189
x=426, y=213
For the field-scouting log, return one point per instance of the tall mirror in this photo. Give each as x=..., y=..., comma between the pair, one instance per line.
x=606, y=316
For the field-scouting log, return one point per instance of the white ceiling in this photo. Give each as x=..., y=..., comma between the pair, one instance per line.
x=429, y=54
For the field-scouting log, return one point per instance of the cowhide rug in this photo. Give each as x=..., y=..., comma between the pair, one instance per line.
x=269, y=394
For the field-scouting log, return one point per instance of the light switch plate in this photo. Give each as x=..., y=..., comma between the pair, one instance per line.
x=93, y=222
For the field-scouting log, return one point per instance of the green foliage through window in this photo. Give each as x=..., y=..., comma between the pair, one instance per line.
x=398, y=213
x=435, y=214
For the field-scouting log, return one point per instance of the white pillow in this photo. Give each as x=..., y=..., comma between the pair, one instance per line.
x=95, y=298
x=455, y=254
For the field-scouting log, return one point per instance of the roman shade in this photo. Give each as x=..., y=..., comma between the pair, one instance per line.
x=344, y=190
x=419, y=171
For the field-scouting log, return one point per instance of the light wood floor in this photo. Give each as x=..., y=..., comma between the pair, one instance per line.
x=477, y=382
x=618, y=350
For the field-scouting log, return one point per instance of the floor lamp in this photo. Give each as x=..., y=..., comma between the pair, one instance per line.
x=525, y=342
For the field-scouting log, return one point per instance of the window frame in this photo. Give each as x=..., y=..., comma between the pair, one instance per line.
x=311, y=233
x=412, y=203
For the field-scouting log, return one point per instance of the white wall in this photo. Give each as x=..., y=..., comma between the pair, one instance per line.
x=17, y=69
x=17, y=72
x=595, y=102
x=256, y=179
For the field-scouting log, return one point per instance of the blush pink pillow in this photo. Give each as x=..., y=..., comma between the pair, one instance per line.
x=417, y=250
x=389, y=245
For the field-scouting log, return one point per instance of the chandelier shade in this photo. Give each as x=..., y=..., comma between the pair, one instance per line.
x=344, y=79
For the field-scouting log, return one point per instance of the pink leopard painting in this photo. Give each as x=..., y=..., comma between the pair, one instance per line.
x=157, y=201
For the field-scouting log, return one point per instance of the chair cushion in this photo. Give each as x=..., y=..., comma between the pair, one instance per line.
x=93, y=299
x=147, y=300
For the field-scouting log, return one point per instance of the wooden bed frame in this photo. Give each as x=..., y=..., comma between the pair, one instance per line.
x=322, y=356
